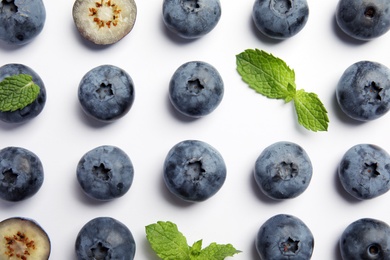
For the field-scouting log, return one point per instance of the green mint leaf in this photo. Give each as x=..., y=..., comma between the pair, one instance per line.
x=311, y=112
x=170, y=244
x=17, y=91
x=271, y=77
x=266, y=74
x=217, y=252
x=167, y=241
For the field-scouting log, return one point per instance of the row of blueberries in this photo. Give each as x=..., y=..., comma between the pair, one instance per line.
x=194, y=171
x=107, y=21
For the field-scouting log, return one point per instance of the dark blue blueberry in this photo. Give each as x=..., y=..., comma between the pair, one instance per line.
x=105, y=173
x=364, y=171
x=363, y=91
x=363, y=19
x=106, y=93
x=21, y=21
x=280, y=19
x=191, y=19
x=105, y=238
x=32, y=110
x=284, y=237
x=283, y=170
x=194, y=170
x=196, y=89
x=21, y=174
x=366, y=239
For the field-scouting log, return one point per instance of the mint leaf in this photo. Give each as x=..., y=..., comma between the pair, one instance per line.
x=311, y=112
x=170, y=244
x=17, y=91
x=266, y=74
x=166, y=240
x=271, y=77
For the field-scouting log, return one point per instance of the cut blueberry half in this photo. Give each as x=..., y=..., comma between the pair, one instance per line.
x=23, y=238
x=104, y=22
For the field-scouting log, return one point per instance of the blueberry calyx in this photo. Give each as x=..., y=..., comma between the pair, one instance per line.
x=282, y=7
x=194, y=86
x=374, y=250
x=9, y=176
x=99, y=251
x=9, y=6
x=102, y=172
x=371, y=170
x=191, y=6
x=105, y=91
x=194, y=170
x=289, y=247
x=286, y=171
x=370, y=12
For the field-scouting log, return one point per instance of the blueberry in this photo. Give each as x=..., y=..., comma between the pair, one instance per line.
x=283, y=170
x=105, y=238
x=364, y=171
x=106, y=93
x=194, y=170
x=21, y=173
x=284, y=236
x=280, y=19
x=21, y=21
x=191, y=19
x=363, y=19
x=363, y=91
x=32, y=110
x=366, y=238
x=105, y=173
x=196, y=89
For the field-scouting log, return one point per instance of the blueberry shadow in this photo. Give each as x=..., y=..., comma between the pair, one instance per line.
x=343, y=36
x=260, y=36
x=176, y=114
x=12, y=126
x=11, y=205
x=259, y=194
x=341, y=116
x=11, y=47
x=336, y=252
x=90, y=121
x=148, y=251
x=173, y=37
x=254, y=253
x=174, y=200
x=341, y=191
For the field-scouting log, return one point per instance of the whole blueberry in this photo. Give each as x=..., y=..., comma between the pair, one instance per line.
x=366, y=238
x=21, y=21
x=284, y=236
x=194, y=170
x=105, y=173
x=106, y=93
x=105, y=238
x=21, y=173
x=363, y=19
x=196, y=89
x=191, y=19
x=280, y=19
x=364, y=171
x=363, y=91
x=32, y=110
x=283, y=170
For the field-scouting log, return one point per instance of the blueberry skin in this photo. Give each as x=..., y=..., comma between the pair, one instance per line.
x=105, y=173
x=283, y=170
x=363, y=91
x=105, y=238
x=280, y=19
x=364, y=171
x=196, y=89
x=365, y=238
x=191, y=19
x=194, y=171
x=106, y=93
x=284, y=236
x=32, y=110
x=21, y=21
x=21, y=174
x=363, y=19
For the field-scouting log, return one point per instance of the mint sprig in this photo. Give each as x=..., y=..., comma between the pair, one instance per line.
x=170, y=244
x=273, y=78
x=17, y=92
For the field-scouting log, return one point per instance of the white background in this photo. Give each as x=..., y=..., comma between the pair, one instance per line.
x=240, y=128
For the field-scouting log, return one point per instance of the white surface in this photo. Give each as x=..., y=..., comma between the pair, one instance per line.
x=241, y=127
